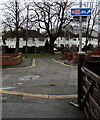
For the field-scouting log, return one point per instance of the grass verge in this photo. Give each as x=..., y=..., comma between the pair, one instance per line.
x=39, y=55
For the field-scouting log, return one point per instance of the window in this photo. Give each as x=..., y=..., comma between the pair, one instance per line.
x=74, y=39
x=67, y=39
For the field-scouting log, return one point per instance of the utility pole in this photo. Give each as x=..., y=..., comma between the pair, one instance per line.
x=80, y=30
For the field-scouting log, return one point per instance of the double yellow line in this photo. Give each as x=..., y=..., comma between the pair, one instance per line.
x=63, y=63
x=29, y=95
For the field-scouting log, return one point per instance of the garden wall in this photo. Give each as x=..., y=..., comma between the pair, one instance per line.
x=10, y=59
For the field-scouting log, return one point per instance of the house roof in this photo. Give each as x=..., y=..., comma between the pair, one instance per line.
x=22, y=34
x=66, y=34
x=62, y=33
x=31, y=34
x=73, y=31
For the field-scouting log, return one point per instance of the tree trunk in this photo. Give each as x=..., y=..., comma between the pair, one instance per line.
x=3, y=39
x=4, y=42
x=86, y=42
x=51, y=49
x=17, y=45
x=99, y=40
x=51, y=46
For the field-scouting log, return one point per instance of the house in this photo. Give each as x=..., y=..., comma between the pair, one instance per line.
x=68, y=37
x=34, y=38
x=1, y=42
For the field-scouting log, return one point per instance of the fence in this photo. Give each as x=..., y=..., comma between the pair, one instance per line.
x=88, y=90
x=90, y=93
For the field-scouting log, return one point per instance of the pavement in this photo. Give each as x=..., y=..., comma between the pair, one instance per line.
x=43, y=90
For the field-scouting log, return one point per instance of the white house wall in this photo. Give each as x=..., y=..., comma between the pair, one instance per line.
x=65, y=42
x=11, y=43
x=72, y=41
x=1, y=42
x=94, y=42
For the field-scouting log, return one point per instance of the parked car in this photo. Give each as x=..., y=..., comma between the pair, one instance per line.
x=55, y=49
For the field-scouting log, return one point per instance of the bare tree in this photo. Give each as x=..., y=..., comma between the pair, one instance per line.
x=52, y=16
x=13, y=18
x=91, y=22
x=99, y=23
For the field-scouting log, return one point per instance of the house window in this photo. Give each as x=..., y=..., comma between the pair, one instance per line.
x=55, y=45
x=74, y=39
x=67, y=39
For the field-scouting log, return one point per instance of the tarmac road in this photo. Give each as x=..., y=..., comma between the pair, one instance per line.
x=40, y=91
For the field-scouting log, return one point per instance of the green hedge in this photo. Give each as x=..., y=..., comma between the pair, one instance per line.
x=34, y=49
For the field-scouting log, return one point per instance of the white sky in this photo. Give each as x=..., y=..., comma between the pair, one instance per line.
x=83, y=1
x=76, y=1
x=40, y=0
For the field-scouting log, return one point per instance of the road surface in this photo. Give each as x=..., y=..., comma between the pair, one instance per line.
x=41, y=91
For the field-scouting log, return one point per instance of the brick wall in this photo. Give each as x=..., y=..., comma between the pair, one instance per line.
x=10, y=59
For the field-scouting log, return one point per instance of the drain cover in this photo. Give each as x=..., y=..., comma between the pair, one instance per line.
x=28, y=77
x=17, y=84
x=52, y=85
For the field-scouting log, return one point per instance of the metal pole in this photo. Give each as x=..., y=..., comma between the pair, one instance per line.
x=80, y=63
x=17, y=21
x=35, y=48
x=80, y=33
x=27, y=30
x=99, y=24
x=64, y=37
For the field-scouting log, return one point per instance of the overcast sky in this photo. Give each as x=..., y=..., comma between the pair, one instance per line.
x=76, y=1
x=83, y=1
x=40, y=0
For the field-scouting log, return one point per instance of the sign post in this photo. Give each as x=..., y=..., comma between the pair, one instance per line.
x=80, y=12
x=80, y=35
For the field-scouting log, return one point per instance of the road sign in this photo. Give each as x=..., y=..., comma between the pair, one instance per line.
x=81, y=11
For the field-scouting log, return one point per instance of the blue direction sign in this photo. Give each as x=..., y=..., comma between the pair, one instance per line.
x=81, y=11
